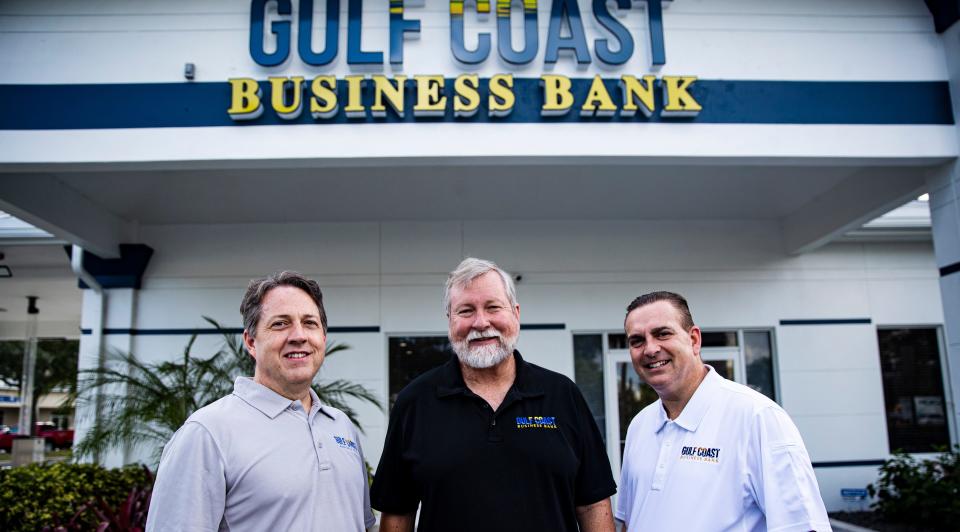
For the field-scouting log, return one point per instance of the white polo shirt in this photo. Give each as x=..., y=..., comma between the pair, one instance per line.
x=732, y=460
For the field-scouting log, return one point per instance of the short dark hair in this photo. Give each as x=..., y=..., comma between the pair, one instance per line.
x=252, y=305
x=675, y=299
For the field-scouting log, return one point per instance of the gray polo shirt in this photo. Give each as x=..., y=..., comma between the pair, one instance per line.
x=254, y=460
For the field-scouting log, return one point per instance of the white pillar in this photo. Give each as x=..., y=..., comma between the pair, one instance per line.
x=944, y=187
x=118, y=313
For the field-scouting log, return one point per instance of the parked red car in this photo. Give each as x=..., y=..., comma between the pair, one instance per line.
x=55, y=438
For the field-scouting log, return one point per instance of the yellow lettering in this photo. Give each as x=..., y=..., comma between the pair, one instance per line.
x=323, y=104
x=637, y=95
x=383, y=89
x=679, y=101
x=557, y=98
x=354, y=108
x=467, y=100
x=598, y=102
x=279, y=88
x=429, y=100
x=456, y=6
x=501, y=99
x=245, y=101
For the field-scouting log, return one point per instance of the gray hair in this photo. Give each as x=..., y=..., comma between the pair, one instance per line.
x=252, y=305
x=470, y=269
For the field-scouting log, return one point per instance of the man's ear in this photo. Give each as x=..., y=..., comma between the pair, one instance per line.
x=697, y=338
x=248, y=343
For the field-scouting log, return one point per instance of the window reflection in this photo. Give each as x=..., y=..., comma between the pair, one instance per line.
x=632, y=396
x=410, y=356
x=588, y=374
x=913, y=389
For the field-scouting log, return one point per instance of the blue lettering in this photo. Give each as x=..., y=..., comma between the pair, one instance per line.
x=504, y=32
x=620, y=34
x=305, y=38
x=355, y=55
x=655, y=21
x=457, y=46
x=279, y=28
x=577, y=41
x=398, y=27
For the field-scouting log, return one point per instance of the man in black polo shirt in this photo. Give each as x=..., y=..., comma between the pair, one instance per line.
x=489, y=442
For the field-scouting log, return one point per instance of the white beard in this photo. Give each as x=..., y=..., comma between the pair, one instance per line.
x=484, y=356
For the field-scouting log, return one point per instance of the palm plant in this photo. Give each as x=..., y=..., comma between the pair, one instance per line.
x=145, y=403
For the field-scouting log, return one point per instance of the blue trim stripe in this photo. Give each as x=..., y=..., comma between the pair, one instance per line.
x=543, y=326
x=228, y=330
x=845, y=321
x=204, y=104
x=849, y=463
x=950, y=269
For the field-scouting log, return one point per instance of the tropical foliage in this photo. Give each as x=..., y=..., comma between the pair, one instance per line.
x=921, y=492
x=143, y=404
x=65, y=496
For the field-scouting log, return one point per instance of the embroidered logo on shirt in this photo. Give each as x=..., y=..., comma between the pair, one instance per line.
x=346, y=443
x=700, y=454
x=537, y=422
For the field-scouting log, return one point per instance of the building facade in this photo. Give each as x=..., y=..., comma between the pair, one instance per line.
x=595, y=150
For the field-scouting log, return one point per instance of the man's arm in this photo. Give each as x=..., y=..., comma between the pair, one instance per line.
x=596, y=517
x=190, y=490
x=397, y=522
x=782, y=476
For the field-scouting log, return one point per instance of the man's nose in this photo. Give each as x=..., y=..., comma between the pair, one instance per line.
x=651, y=348
x=297, y=333
x=481, y=321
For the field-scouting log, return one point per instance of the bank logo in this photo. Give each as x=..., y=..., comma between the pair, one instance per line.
x=346, y=443
x=536, y=422
x=700, y=454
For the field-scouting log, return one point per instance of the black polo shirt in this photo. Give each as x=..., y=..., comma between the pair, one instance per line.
x=524, y=467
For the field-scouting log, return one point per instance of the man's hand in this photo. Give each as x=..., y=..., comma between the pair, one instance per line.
x=596, y=517
x=404, y=523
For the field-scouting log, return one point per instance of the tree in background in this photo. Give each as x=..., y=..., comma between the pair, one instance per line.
x=56, y=366
x=145, y=403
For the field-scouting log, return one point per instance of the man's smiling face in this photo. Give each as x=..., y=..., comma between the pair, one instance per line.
x=483, y=325
x=290, y=344
x=664, y=354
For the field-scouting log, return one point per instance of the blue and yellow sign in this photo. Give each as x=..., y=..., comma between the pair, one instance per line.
x=467, y=96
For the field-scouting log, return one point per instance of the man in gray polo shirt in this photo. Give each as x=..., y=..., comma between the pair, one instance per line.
x=268, y=456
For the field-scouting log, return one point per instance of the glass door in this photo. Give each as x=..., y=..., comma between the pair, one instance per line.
x=626, y=394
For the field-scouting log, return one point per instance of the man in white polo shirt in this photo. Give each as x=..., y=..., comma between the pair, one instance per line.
x=711, y=454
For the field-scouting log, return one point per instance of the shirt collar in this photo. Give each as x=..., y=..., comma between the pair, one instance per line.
x=697, y=406
x=451, y=379
x=269, y=402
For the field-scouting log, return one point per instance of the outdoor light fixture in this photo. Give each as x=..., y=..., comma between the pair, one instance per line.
x=189, y=70
x=5, y=272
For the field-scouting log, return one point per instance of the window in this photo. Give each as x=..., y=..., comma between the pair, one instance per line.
x=913, y=389
x=588, y=373
x=723, y=350
x=410, y=356
x=758, y=356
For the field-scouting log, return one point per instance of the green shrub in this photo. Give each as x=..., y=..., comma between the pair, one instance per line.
x=36, y=495
x=925, y=493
